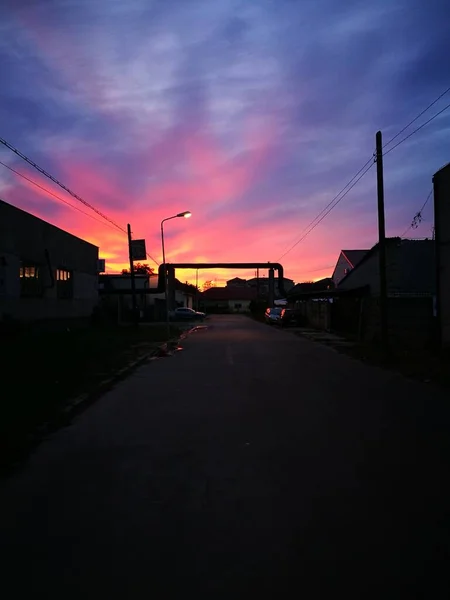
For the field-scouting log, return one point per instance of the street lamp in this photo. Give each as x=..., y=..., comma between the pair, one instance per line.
x=186, y=214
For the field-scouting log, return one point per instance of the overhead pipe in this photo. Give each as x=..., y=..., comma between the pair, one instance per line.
x=251, y=265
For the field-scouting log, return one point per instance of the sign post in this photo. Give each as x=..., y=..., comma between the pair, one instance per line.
x=133, y=283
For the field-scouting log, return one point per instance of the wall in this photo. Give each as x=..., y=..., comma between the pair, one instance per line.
x=340, y=269
x=441, y=183
x=244, y=306
x=317, y=313
x=24, y=237
x=367, y=273
x=225, y=306
x=411, y=322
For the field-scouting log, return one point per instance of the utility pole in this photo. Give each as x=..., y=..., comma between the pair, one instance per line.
x=196, y=290
x=382, y=246
x=133, y=282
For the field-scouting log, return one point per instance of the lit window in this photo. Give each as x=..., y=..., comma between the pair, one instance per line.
x=64, y=286
x=63, y=275
x=29, y=272
x=30, y=283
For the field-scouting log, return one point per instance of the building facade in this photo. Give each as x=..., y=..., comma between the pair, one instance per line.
x=227, y=299
x=348, y=260
x=45, y=272
x=441, y=184
x=261, y=285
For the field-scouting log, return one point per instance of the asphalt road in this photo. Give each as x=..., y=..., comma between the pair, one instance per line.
x=251, y=462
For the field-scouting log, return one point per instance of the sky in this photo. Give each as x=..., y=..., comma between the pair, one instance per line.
x=253, y=115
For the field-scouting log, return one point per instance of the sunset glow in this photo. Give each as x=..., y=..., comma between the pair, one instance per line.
x=221, y=112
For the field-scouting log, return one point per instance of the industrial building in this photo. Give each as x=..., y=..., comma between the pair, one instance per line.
x=45, y=272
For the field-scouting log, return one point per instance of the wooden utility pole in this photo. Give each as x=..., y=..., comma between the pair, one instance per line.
x=196, y=290
x=133, y=282
x=382, y=246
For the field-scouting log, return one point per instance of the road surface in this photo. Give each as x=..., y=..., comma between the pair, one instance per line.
x=251, y=462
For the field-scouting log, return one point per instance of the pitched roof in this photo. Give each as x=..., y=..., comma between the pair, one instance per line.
x=229, y=293
x=354, y=256
x=309, y=286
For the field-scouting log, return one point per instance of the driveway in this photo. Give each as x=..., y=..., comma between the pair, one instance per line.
x=250, y=462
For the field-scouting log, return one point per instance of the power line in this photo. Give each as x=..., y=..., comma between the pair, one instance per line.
x=415, y=118
x=418, y=129
x=319, y=218
x=61, y=185
x=322, y=269
x=332, y=204
x=55, y=195
x=68, y=190
x=329, y=210
x=151, y=258
x=418, y=216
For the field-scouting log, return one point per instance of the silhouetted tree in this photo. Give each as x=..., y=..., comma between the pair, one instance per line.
x=140, y=269
x=207, y=285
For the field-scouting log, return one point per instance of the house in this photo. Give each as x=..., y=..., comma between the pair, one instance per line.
x=348, y=260
x=116, y=296
x=115, y=290
x=261, y=285
x=411, y=288
x=227, y=299
x=45, y=272
x=353, y=308
x=237, y=282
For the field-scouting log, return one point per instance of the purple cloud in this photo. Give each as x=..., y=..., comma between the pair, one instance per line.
x=255, y=113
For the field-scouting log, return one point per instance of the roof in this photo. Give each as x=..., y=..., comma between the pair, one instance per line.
x=10, y=212
x=266, y=279
x=354, y=256
x=229, y=293
x=311, y=286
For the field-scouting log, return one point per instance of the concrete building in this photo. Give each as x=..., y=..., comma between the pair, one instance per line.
x=227, y=299
x=441, y=184
x=411, y=287
x=45, y=272
x=261, y=285
x=237, y=282
x=115, y=291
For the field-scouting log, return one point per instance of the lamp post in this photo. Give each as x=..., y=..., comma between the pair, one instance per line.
x=186, y=214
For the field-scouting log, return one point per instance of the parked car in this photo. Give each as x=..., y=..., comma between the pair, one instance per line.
x=272, y=315
x=183, y=313
x=290, y=318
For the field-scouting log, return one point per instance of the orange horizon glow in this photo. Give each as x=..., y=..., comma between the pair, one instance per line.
x=230, y=238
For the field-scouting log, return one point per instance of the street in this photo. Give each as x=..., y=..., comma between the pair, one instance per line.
x=250, y=461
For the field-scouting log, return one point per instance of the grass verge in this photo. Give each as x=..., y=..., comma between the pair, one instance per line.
x=42, y=371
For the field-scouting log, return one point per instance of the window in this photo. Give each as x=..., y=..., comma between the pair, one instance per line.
x=64, y=283
x=238, y=306
x=30, y=280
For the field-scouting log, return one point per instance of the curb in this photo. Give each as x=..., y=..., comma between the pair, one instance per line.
x=85, y=399
x=79, y=403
